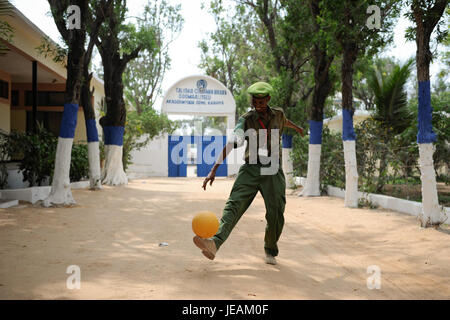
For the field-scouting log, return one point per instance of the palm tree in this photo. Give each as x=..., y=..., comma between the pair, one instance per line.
x=6, y=31
x=391, y=106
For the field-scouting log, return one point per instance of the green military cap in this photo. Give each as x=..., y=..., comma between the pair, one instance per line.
x=260, y=89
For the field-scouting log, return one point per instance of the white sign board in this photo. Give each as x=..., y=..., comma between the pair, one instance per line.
x=200, y=95
x=204, y=96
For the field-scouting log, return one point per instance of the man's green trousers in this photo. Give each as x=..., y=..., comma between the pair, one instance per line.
x=247, y=184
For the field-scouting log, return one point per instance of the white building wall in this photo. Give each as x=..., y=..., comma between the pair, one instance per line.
x=152, y=160
x=288, y=167
x=99, y=94
x=335, y=123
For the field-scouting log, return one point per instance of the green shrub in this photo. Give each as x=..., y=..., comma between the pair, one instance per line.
x=331, y=162
x=378, y=152
x=299, y=155
x=443, y=178
x=79, y=165
x=36, y=153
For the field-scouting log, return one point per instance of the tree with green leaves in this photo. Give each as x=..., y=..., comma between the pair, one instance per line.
x=94, y=23
x=390, y=96
x=75, y=39
x=280, y=42
x=59, y=55
x=287, y=41
x=445, y=54
x=322, y=56
x=143, y=78
x=256, y=43
x=354, y=33
x=236, y=54
x=363, y=67
x=426, y=16
x=119, y=43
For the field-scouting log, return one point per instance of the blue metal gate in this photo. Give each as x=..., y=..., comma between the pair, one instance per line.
x=178, y=158
x=203, y=168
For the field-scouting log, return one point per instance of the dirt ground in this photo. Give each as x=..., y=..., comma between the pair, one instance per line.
x=113, y=235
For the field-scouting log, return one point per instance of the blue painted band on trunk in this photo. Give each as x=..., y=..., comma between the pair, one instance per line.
x=315, y=132
x=113, y=135
x=286, y=141
x=348, y=134
x=425, y=132
x=69, y=120
x=91, y=130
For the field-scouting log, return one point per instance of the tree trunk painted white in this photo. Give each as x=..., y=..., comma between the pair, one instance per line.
x=351, y=174
x=95, y=178
x=61, y=193
x=312, y=186
x=288, y=167
x=113, y=173
x=432, y=214
x=94, y=166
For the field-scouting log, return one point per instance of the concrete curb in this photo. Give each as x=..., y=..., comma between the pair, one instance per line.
x=413, y=208
x=5, y=204
x=80, y=184
x=35, y=194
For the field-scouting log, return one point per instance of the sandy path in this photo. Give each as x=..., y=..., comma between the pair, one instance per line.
x=113, y=235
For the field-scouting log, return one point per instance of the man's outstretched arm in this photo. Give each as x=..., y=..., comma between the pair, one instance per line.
x=290, y=124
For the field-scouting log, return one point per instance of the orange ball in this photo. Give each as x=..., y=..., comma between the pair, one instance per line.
x=205, y=224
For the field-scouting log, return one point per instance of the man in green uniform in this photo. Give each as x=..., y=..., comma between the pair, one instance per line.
x=261, y=127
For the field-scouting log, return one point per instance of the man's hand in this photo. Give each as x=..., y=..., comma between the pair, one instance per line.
x=211, y=176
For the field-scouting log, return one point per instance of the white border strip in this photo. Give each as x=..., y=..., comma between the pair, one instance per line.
x=413, y=208
x=34, y=194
